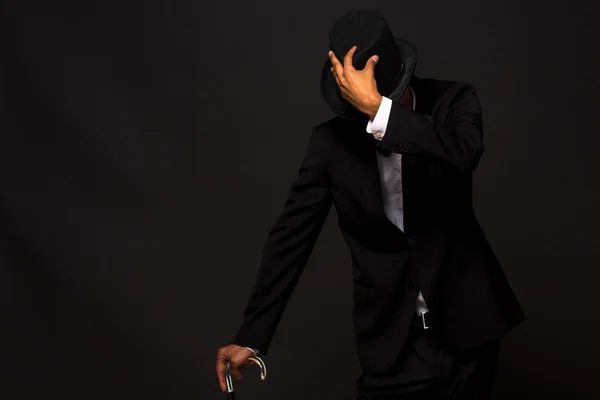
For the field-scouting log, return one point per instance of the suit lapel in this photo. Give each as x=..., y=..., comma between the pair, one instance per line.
x=367, y=174
x=411, y=165
x=409, y=191
x=372, y=181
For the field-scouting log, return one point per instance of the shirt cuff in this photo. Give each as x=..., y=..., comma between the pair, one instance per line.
x=378, y=125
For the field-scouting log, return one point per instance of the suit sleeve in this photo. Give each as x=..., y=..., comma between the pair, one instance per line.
x=287, y=249
x=453, y=135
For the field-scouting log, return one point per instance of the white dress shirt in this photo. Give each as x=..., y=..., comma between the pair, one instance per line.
x=390, y=172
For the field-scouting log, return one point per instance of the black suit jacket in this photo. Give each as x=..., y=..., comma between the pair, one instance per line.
x=443, y=251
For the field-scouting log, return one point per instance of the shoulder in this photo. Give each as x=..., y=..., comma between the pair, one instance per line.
x=331, y=126
x=339, y=134
x=440, y=89
x=441, y=96
x=338, y=129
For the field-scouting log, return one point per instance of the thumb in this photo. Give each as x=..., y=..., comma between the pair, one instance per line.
x=370, y=67
x=235, y=371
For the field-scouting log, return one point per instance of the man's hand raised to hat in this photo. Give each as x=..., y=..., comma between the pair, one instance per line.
x=358, y=87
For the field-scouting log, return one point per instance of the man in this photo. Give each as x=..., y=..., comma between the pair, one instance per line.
x=430, y=299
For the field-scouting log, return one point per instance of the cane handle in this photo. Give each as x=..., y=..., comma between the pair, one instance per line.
x=254, y=359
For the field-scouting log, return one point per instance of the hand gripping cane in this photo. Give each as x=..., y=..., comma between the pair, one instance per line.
x=229, y=381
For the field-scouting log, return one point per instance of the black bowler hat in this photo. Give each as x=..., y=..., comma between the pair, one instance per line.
x=368, y=30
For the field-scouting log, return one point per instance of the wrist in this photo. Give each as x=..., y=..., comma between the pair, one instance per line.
x=372, y=106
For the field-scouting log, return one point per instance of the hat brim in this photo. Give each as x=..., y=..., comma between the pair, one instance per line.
x=333, y=97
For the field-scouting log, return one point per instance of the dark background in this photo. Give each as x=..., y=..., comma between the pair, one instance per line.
x=146, y=148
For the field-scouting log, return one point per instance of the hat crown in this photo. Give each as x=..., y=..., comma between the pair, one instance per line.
x=366, y=29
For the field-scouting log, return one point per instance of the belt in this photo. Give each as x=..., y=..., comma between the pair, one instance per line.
x=422, y=321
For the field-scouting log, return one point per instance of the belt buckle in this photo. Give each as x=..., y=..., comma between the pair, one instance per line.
x=424, y=320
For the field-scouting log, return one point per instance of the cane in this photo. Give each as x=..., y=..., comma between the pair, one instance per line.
x=229, y=381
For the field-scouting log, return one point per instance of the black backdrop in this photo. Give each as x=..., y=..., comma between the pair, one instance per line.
x=146, y=148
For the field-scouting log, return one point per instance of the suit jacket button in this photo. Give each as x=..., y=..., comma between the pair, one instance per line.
x=412, y=243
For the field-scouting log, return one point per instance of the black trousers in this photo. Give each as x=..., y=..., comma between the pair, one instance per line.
x=427, y=370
